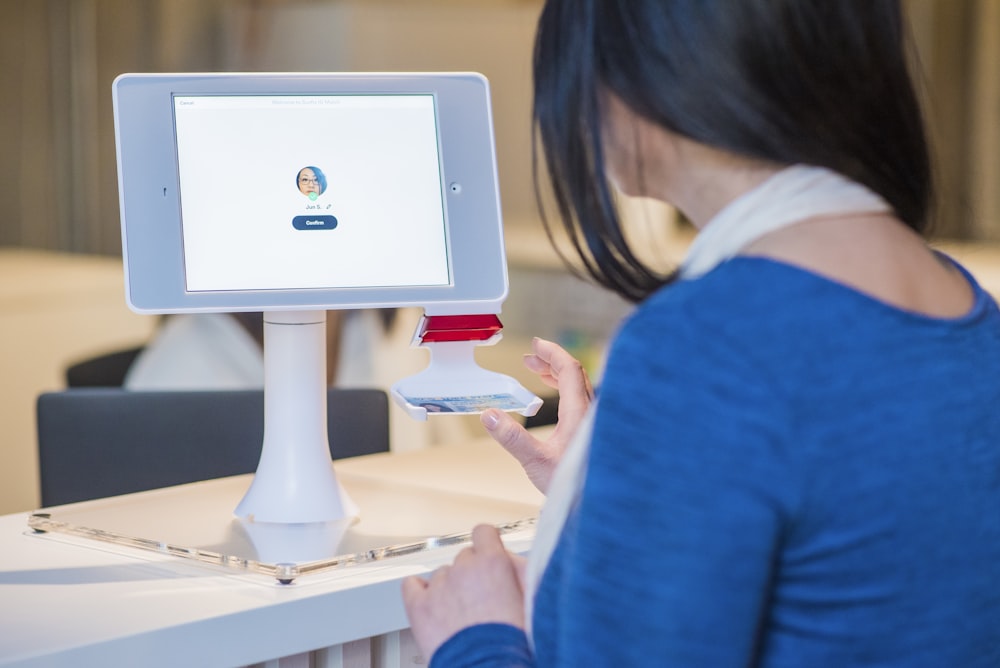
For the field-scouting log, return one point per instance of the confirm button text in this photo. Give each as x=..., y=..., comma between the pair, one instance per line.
x=314, y=222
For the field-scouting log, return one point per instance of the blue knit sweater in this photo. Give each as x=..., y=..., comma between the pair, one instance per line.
x=784, y=473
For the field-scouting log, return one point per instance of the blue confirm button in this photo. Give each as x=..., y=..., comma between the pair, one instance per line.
x=314, y=222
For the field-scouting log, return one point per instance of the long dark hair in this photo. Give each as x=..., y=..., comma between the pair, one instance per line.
x=823, y=83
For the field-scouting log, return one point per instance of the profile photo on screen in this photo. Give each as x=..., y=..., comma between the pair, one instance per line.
x=311, y=181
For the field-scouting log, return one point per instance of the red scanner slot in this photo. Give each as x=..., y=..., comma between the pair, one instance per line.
x=440, y=328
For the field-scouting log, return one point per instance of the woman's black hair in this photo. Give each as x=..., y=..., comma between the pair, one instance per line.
x=818, y=82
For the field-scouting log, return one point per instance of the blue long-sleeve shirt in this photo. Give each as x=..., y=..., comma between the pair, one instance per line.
x=784, y=473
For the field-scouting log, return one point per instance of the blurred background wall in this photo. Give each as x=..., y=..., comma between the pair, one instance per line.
x=58, y=182
x=59, y=57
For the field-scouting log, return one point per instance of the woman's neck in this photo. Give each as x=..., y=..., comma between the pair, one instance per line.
x=703, y=180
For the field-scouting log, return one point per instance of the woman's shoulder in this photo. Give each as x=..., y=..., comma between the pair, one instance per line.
x=742, y=305
x=740, y=285
x=716, y=340
x=757, y=323
x=762, y=304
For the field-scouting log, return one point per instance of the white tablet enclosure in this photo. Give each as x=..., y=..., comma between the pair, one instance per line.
x=271, y=192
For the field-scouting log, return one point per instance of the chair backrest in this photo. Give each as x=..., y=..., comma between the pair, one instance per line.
x=106, y=370
x=99, y=442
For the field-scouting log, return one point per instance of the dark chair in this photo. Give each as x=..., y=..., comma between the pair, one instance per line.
x=106, y=370
x=99, y=442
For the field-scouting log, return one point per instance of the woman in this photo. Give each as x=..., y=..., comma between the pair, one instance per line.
x=795, y=459
x=311, y=181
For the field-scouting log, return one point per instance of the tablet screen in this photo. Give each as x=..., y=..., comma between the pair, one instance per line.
x=310, y=192
x=292, y=191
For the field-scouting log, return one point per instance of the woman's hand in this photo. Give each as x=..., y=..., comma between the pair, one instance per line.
x=560, y=370
x=483, y=585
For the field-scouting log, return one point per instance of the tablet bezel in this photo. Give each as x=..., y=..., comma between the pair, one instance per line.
x=149, y=191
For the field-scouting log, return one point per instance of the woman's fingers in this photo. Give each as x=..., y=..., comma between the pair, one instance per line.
x=413, y=587
x=486, y=539
x=557, y=368
x=537, y=457
x=482, y=585
x=575, y=391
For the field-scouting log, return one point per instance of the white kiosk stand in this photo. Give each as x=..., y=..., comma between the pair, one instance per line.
x=295, y=482
x=293, y=194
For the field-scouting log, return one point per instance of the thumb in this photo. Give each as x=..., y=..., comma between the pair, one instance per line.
x=509, y=433
x=532, y=454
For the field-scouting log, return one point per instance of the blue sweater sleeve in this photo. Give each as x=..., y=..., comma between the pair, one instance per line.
x=485, y=646
x=669, y=555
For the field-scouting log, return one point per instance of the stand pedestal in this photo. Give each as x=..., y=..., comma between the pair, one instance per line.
x=295, y=481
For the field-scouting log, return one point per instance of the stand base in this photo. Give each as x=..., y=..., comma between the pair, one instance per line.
x=314, y=495
x=195, y=522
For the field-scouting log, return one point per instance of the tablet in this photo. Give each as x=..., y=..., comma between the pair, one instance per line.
x=269, y=192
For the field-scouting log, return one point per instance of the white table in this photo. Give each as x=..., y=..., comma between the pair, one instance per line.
x=67, y=601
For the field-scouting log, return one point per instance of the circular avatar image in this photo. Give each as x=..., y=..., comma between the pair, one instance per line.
x=311, y=182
